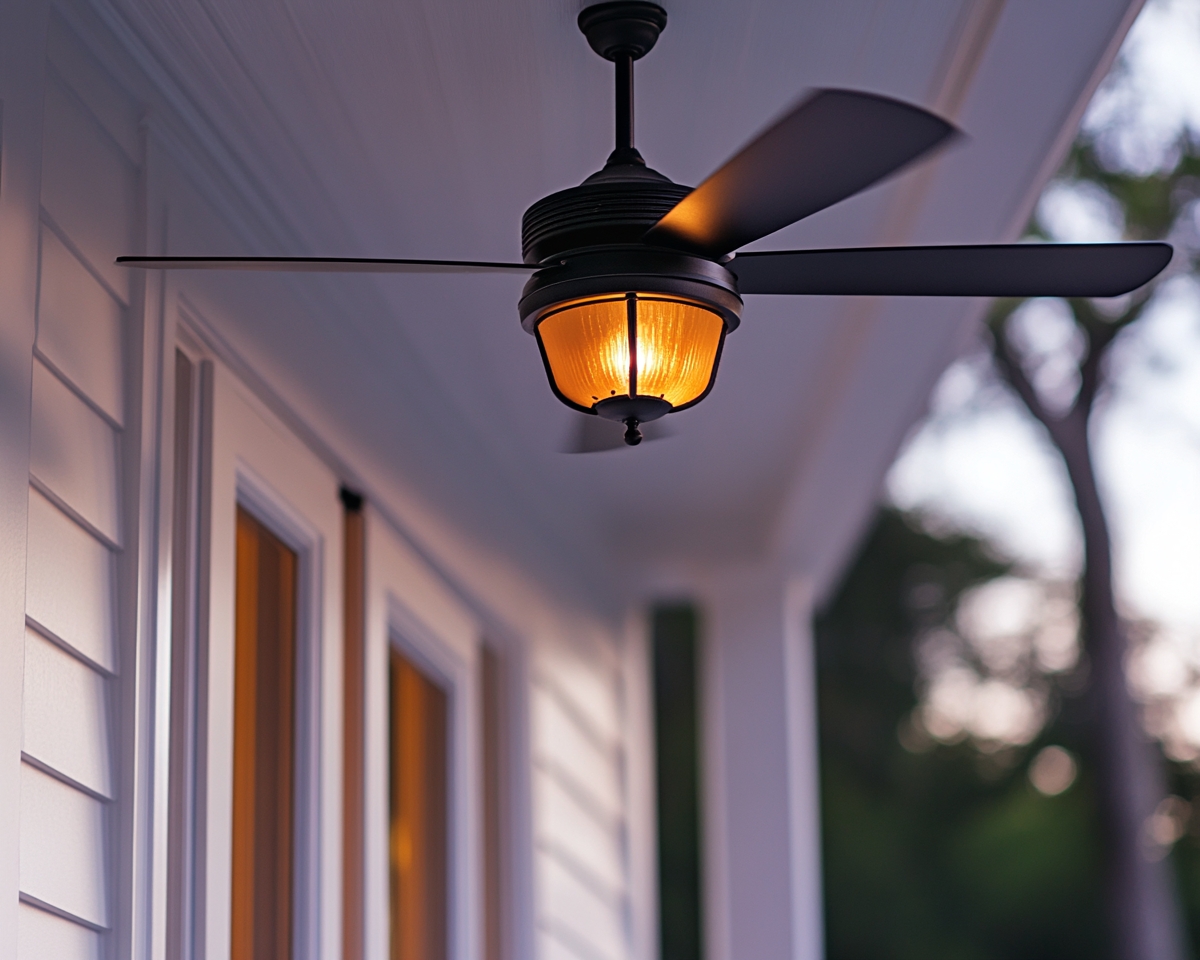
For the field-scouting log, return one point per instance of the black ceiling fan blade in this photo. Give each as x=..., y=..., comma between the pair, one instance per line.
x=991, y=270
x=323, y=265
x=832, y=145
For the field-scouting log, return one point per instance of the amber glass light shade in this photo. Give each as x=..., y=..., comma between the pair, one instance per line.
x=586, y=345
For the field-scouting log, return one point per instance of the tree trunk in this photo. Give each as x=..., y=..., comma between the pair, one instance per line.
x=1142, y=905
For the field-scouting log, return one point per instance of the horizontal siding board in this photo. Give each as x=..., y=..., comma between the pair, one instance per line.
x=44, y=936
x=65, y=715
x=89, y=187
x=553, y=945
x=561, y=741
x=81, y=328
x=577, y=912
x=593, y=691
x=568, y=825
x=74, y=453
x=62, y=847
x=69, y=583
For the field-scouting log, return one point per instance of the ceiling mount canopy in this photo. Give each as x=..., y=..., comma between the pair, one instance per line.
x=635, y=281
x=622, y=28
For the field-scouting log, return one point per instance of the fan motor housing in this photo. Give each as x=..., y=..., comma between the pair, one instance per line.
x=615, y=206
x=631, y=268
x=588, y=241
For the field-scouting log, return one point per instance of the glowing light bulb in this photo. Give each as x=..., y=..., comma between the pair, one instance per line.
x=585, y=345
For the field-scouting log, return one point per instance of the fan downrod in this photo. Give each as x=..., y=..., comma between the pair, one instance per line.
x=623, y=31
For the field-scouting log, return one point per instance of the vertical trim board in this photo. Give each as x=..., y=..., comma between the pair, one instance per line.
x=353, y=733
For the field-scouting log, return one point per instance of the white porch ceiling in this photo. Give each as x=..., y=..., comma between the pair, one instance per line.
x=423, y=128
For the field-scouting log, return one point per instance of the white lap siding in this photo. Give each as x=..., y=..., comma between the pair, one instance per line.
x=581, y=878
x=71, y=784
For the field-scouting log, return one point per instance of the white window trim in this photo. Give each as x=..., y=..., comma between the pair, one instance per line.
x=256, y=462
x=409, y=608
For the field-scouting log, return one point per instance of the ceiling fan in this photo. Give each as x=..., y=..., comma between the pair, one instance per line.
x=635, y=281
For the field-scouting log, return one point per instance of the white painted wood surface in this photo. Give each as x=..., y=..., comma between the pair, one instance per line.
x=74, y=795
x=64, y=855
x=258, y=463
x=74, y=454
x=410, y=608
x=70, y=583
x=576, y=830
x=44, y=936
x=22, y=38
x=580, y=800
x=762, y=868
x=81, y=327
x=66, y=716
x=89, y=186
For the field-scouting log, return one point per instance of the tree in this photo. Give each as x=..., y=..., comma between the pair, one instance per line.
x=1130, y=781
x=936, y=851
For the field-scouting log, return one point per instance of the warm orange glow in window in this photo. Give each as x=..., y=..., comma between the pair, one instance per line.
x=587, y=348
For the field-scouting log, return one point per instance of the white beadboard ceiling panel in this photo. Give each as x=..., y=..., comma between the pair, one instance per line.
x=424, y=128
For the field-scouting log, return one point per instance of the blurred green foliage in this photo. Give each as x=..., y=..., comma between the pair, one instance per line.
x=933, y=851
x=1150, y=204
x=940, y=851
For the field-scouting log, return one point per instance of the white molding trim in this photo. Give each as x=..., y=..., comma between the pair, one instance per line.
x=409, y=609
x=260, y=465
x=804, y=789
x=258, y=497
x=641, y=818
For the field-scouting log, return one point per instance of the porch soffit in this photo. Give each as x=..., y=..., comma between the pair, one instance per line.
x=424, y=128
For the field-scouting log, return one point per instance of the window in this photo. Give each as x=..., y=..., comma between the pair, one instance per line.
x=417, y=841
x=256, y=696
x=423, y=851
x=263, y=743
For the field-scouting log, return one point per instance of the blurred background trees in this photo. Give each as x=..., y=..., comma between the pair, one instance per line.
x=1003, y=777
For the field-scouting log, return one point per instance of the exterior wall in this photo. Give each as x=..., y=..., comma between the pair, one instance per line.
x=86, y=787
x=79, y=639
x=581, y=814
x=22, y=39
